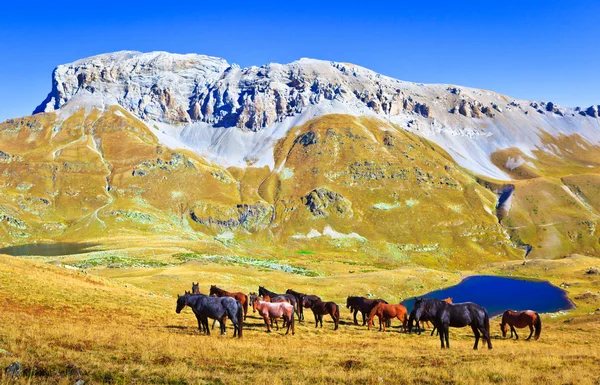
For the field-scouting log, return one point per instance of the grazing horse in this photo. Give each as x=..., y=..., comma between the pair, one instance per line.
x=299, y=296
x=196, y=288
x=444, y=315
x=362, y=304
x=271, y=311
x=521, y=319
x=277, y=297
x=217, y=308
x=385, y=311
x=319, y=308
x=243, y=298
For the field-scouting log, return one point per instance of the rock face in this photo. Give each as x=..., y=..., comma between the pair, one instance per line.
x=175, y=88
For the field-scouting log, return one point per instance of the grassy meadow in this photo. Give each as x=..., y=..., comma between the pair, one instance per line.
x=110, y=320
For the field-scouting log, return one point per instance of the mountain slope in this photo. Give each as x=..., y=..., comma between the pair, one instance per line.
x=320, y=156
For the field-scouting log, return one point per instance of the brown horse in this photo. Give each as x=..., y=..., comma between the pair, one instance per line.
x=319, y=308
x=385, y=311
x=521, y=319
x=243, y=298
x=271, y=311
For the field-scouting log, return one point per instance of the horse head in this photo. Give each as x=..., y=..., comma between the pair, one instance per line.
x=213, y=290
x=181, y=302
x=196, y=288
x=503, y=329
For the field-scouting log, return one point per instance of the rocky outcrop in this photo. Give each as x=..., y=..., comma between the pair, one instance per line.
x=251, y=217
x=322, y=202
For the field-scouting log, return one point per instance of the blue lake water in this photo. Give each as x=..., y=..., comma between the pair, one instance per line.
x=498, y=294
x=49, y=249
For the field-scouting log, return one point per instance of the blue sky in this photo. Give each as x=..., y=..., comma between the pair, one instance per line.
x=544, y=50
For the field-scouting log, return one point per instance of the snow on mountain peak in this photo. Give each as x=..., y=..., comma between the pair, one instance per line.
x=207, y=94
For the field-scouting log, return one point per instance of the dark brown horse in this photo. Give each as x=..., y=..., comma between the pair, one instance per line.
x=521, y=319
x=362, y=304
x=196, y=288
x=298, y=295
x=243, y=298
x=319, y=308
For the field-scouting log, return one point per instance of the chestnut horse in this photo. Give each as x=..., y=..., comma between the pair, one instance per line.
x=385, y=311
x=521, y=319
x=270, y=311
x=243, y=298
x=319, y=308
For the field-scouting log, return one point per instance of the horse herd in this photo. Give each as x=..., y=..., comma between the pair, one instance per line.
x=220, y=305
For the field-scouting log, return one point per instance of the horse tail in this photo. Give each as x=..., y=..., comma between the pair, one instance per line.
x=538, y=326
x=241, y=317
x=487, y=323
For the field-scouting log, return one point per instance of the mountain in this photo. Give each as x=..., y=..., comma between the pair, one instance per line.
x=311, y=155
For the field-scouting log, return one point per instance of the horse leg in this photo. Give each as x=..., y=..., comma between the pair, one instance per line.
x=316, y=320
x=321, y=320
x=205, y=323
x=486, y=335
x=512, y=329
x=222, y=324
x=354, y=312
x=286, y=320
x=476, y=332
x=268, y=323
x=441, y=334
x=435, y=330
x=381, y=324
x=530, y=334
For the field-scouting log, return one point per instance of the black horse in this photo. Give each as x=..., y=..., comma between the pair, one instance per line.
x=217, y=308
x=362, y=304
x=299, y=296
x=277, y=297
x=444, y=315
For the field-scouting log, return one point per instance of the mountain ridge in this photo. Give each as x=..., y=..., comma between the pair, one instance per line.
x=187, y=94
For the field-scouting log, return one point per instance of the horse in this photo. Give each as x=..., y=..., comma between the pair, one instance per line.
x=276, y=297
x=217, y=308
x=521, y=319
x=271, y=311
x=362, y=304
x=299, y=296
x=299, y=307
x=319, y=308
x=196, y=288
x=387, y=312
x=444, y=315
x=426, y=320
x=243, y=298
x=254, y=297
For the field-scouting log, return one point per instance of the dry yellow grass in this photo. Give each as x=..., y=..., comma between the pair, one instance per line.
x=63, y=325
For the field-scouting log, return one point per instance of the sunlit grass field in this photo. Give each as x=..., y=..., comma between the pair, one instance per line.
x=118, y=325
